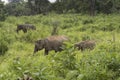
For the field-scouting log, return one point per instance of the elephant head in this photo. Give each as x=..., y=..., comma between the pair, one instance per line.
x=39, y=45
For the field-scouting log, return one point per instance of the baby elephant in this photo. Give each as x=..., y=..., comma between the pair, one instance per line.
x=88, y=44
x=50, y=43
x=25, y=27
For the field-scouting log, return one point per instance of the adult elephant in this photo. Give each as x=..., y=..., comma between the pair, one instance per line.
x=25, y=27
x=50, y=43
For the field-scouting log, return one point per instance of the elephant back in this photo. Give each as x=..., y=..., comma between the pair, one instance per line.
x=57, y=38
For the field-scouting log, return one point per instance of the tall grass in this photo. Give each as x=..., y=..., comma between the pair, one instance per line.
x=102, y=63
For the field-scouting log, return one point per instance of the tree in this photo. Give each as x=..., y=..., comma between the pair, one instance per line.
x=92, y=7
x=116, y=6
x=2, y=13
x=38, y=6
x=87, y=6
x=33, y=7
x=104, y=6
x=15, y=1
x=17, y=8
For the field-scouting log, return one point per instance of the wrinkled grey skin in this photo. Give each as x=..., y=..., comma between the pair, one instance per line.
x=51, y=43
x=25, y=27
x=89, y=44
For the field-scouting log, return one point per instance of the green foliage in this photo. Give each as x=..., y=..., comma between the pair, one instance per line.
x=87, y=6
x=101, y=63
x=33, y=7
x=40, y=6
x=114, y=66
x=85, y=37
x=2, y=17
x=17, y=9
x=95, y=65
x=5, y=40
x=87, y=21
x=2, y=12
x=3, y=47
x=28, y=37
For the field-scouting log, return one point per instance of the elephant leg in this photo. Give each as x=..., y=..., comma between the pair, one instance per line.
x=24, y=30
x=17, y=30
x=35, y=50
x=46, y=52
x=56, y=51
x=82, y=48
x=60, y=49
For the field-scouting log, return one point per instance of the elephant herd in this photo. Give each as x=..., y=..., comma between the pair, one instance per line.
x=55, y=42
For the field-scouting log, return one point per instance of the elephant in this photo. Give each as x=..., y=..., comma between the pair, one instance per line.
x=25, y=27
x=88, y=44
x=50, y=43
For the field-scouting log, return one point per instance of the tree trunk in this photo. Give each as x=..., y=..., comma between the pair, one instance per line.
x=92, y=7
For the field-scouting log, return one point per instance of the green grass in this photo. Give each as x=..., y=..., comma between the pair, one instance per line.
x=102, y=63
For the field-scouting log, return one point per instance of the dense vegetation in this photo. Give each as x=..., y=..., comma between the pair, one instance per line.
x=102, y=63
x=33, y=7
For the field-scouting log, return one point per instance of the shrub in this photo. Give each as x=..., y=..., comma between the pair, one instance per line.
x=114, y=66
x=30, y=36
x=100, y=66
x=85, y=37
x=66, y=26
x=87, y=21
x=64, y=64
x=2, y=17
x=3, y=47
x=5, y=40
x=108, y=27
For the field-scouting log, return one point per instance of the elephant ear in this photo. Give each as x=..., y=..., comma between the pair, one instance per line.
x=38, y=42
x=42, y=42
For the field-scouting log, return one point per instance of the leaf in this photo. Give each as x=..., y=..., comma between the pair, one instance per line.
x=80, y=76
x=19, y=68
x=71, y=74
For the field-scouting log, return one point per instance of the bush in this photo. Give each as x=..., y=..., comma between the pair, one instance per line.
x=87, y=21
x=2, y=17
x=66, y=26
x=5, y=40
x=3, y=47
x=30, y=36
x=109, y=27
x=85, y=37
x=100, y=66
x=114, y=66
